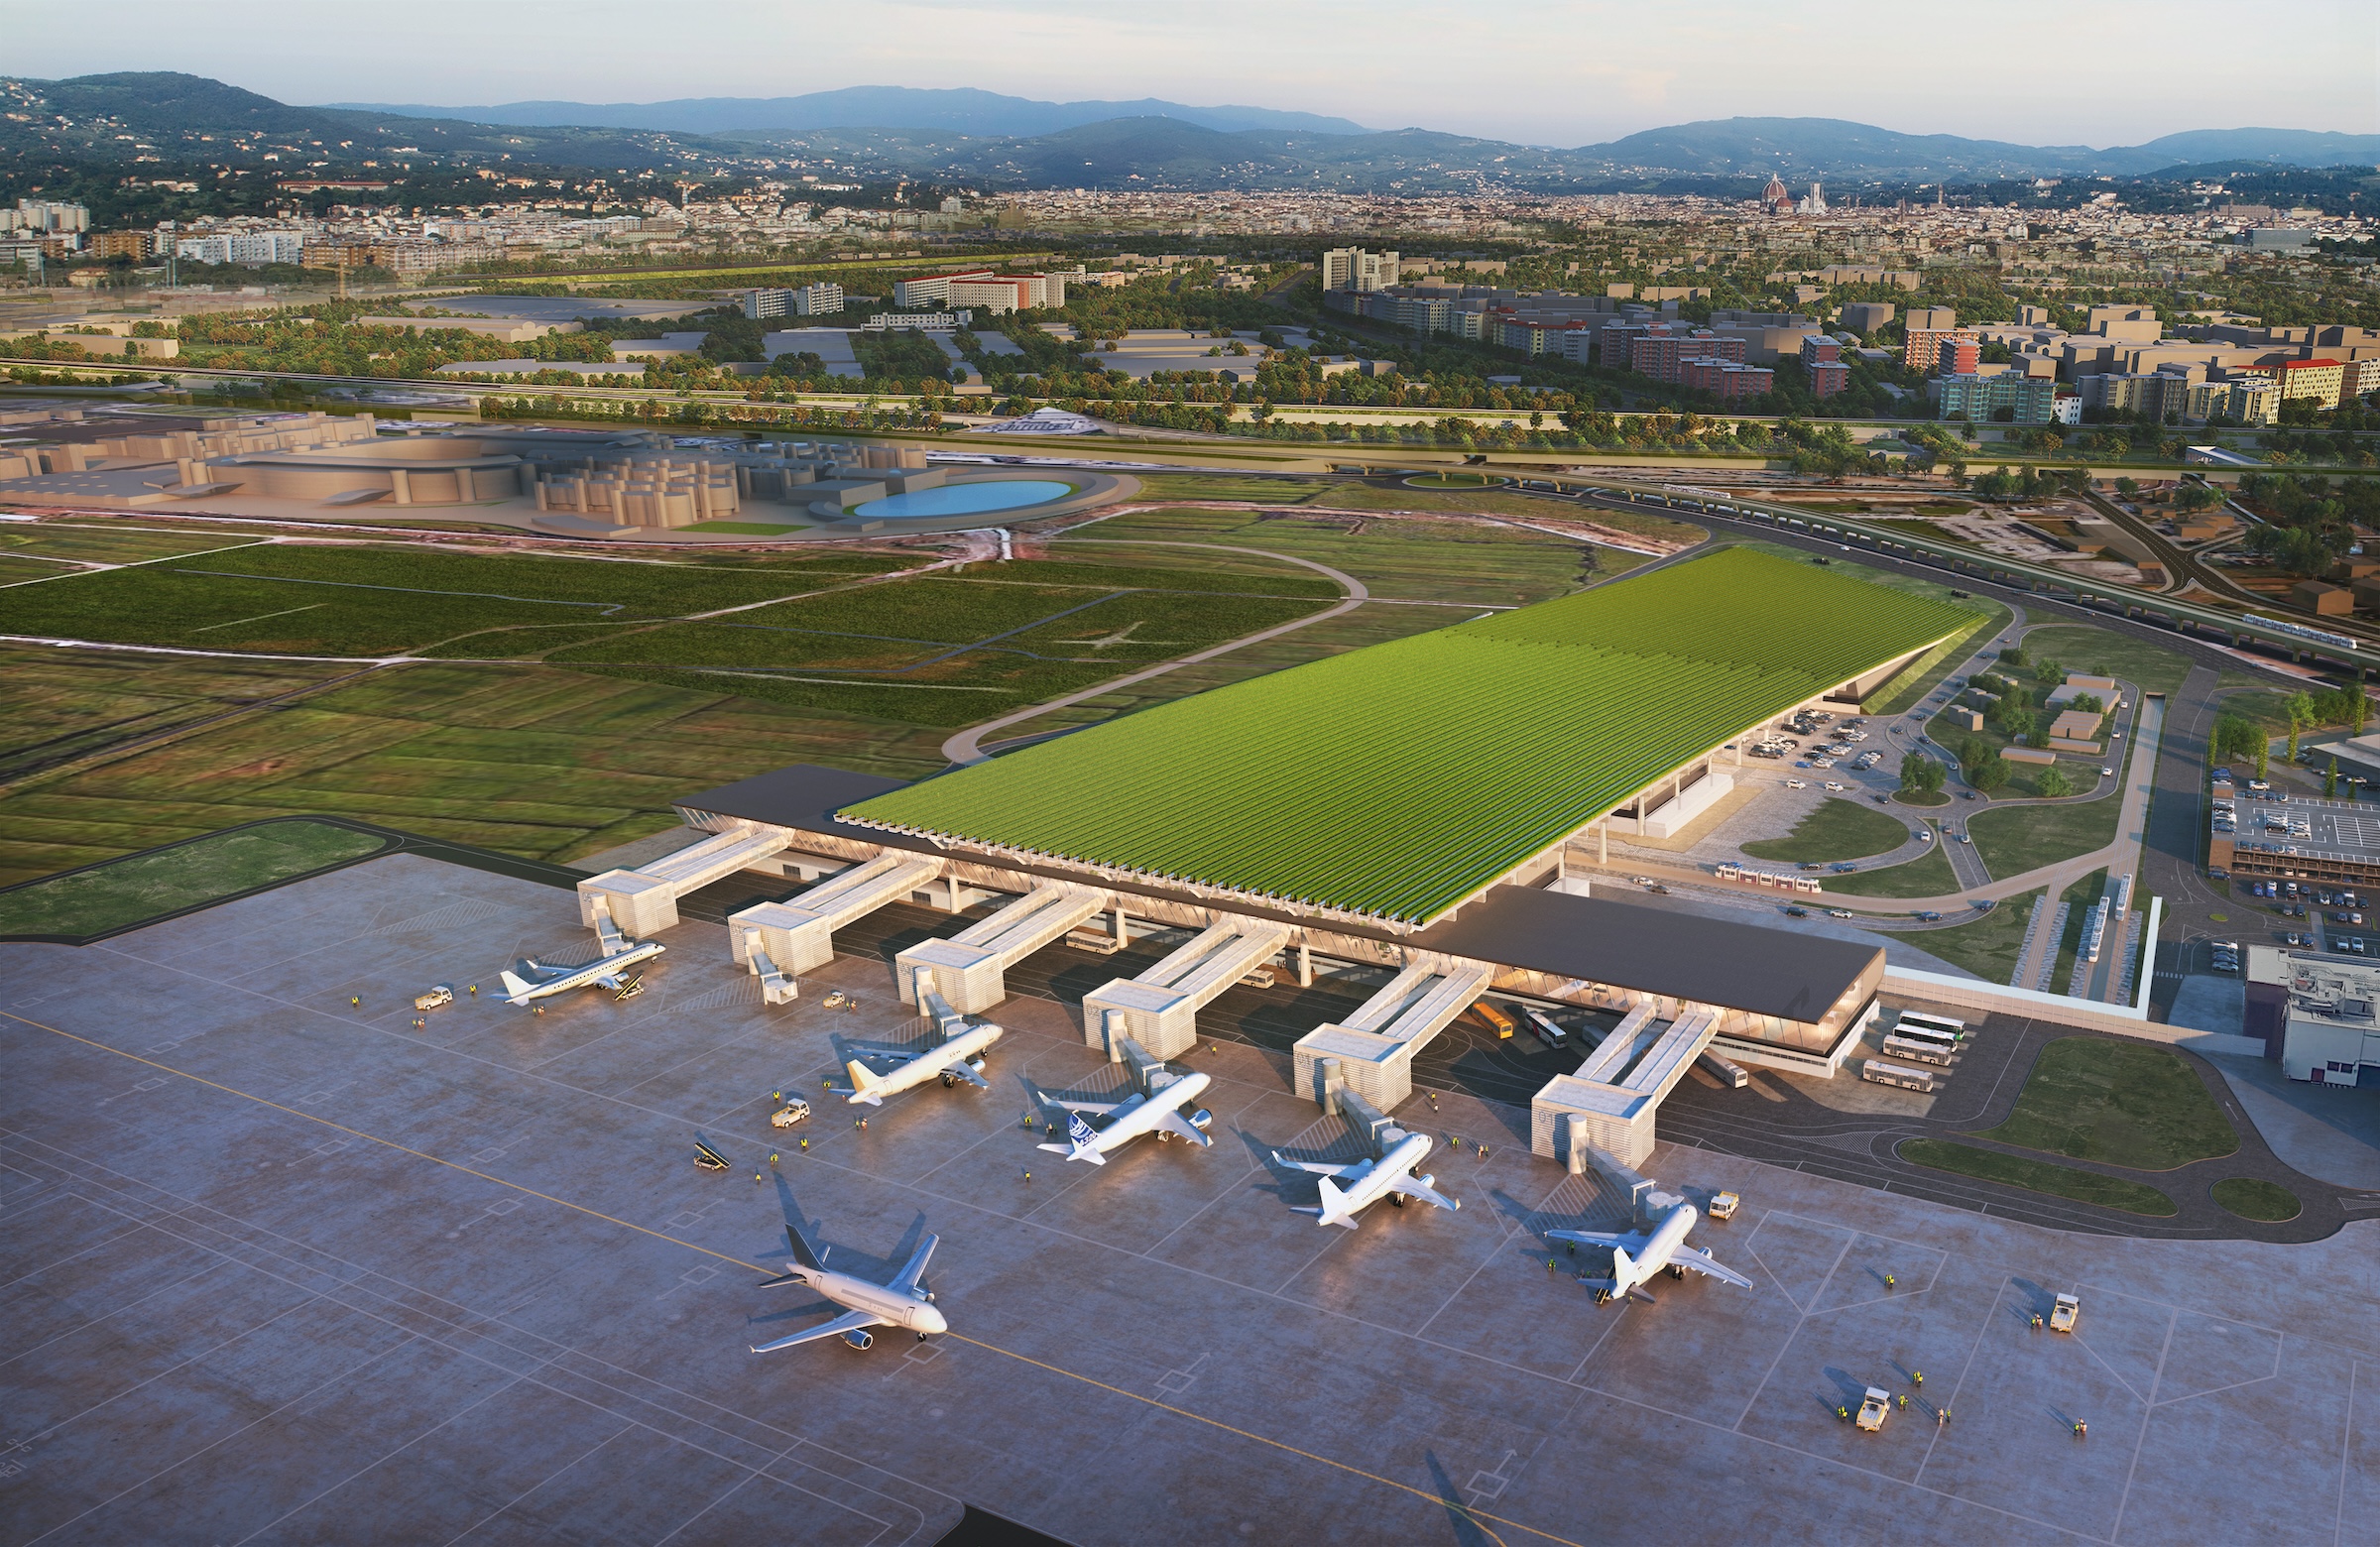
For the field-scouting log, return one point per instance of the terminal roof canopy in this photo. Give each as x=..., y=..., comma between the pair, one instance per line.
x=1394, y=782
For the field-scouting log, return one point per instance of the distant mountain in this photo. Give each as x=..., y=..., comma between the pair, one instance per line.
x=962, y=110
x=987, y=140
x=1831, y=147
x=118, y=117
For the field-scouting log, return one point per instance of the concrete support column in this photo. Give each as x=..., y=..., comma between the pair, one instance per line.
x=1602, y=841
x=954, y=892
x=1305, y=966
x=400, y=486
x=466, y=486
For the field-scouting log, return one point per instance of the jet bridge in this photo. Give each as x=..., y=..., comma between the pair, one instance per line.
x=1160, y=1009
x=798, y=935
x=1371, y=1051
x=969, y=969
x=644, y=902
x=1602, y=1108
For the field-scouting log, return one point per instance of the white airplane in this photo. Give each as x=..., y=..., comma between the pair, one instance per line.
x=1637, y=1256
x=1160, y=1113
x=903, y=1302
x=959, y=1058
x=1349, y=1189
x=609, y=972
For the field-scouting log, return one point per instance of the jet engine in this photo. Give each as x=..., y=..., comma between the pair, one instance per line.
x=860, y=1338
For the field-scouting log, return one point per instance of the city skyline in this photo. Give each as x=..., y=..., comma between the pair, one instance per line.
x=1593, y=72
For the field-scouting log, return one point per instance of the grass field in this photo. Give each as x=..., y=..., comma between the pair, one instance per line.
x=533, y=760
x=2078, y=647
x=1253, y=488
x=2041, y=1176
x=1990, y=947
x=2129, y=1103
x=1928, y=875
x=1923, y=675
x=148, y=885
x=383, y=599
x=110, y=543
x=1837, y=830
x=1366, y=497
x=2016, y=839
x=2252, y=1198
x=1487, y=565
x=14, y=569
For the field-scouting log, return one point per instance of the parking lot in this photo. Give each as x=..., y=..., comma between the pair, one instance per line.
x=291, y=1267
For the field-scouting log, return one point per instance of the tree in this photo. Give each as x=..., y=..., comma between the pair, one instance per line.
x=1990, y=775
x=2264, y=748
x=2127, y=486
x=2330, y=780
x=2300, y=708
x=2356, y=707
x=1921, y=774
x=2054, y=785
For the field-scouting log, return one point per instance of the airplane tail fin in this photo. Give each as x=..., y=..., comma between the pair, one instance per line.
x=1622, y=1266
x=1331, y=1198
x=864, y=1083
x=515, y=985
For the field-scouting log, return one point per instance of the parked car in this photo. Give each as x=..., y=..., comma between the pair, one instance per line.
x=1795, y=910
x=1799, y=783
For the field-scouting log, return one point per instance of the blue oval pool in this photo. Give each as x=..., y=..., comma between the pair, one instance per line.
x=967, y=499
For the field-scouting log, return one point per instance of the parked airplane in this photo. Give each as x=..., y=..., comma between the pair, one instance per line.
x=1637, y=1256
x=1349, y=1189
x=959, y=1058
x=903, y=1302
x=609, y=972
x=1160, y=1113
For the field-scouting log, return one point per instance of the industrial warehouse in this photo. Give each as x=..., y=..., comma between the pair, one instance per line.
x=1400, y=812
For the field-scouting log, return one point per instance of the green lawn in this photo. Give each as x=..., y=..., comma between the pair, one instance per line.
x=1928, y=875
x=107, y=543
x=527, y=760
x=142, y=886
x=2016, y=839
x=2254, y=1199
x=1252, y=488
x=2039, y=1177
x=384, y=599
x=2119, y=1103
x=14, y=569
x=1421, y=560
x=1837, y=830
x=1988, y=947
x=1496, y=502
x=1921, y=675
x=2080, y=648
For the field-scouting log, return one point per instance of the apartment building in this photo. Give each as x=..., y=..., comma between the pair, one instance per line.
x=2320, y=379
x=2027, y=400
x=1353, y=269
x=1726, y=380
x=242, y=247
x=997, y=293
x=1922, y=349
x=810, y=300
x=1659, y=355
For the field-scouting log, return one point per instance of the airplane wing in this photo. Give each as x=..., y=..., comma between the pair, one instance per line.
x=960, y=1069
x=1181, y=1128
x=609, y=980
x=1632, y=1240
x=1413, y=1188
x=849, y=1321
x=906, y=1280
x=1703, y=1262
x=1324, y=1167
x=1099, y=1108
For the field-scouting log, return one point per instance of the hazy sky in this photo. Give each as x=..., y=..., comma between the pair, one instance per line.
x=2037, y=71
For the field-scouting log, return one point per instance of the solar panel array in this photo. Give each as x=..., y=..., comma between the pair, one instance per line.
x=1397, y=780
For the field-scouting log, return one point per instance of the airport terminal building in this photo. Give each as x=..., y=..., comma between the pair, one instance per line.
x=1406, y=810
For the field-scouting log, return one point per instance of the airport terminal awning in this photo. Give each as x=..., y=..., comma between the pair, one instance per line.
x=1753, y=968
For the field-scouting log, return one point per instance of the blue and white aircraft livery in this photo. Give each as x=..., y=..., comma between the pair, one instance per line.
x=1160, y=1112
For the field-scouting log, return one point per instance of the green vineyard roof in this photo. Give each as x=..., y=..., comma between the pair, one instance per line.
x=1395, y=781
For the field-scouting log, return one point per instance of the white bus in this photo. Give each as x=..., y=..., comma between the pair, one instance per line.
x=1921, y=1049
x=1940, y=1028
x=1883, y=1073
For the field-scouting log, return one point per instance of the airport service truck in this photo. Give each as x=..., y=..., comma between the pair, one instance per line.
x=1873, y=1408
x=2064, y=1313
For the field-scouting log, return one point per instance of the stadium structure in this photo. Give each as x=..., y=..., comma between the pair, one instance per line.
x=1401, y=814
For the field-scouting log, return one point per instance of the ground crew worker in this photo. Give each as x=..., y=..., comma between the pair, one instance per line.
x=1843, y=1412
x=1941, y=1415
x=2082, y=1429
x=756, y=1178
x=773, y=1159
x=475, y=990
x=353, y=1000
x=1904, y=1402
x=1889, y=1280
x=805, y=1142
x=1919, y=1377
x=1029, y=1176
x=1549, y=1267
